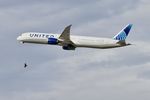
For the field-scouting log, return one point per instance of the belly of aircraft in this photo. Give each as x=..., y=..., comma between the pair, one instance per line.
x=40, y=41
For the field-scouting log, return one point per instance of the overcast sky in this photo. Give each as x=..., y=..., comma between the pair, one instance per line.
x=83, y=74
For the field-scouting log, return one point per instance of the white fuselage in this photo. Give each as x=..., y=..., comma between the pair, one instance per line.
x=78, y=41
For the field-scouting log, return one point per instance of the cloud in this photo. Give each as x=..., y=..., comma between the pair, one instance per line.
x=82, y=74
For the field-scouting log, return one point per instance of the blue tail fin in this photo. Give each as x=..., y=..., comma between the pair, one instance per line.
x=123, y=33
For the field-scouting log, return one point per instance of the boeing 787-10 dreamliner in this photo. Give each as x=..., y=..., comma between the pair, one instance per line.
x=70, y=42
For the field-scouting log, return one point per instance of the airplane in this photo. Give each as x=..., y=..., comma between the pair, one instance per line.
x=71, y=42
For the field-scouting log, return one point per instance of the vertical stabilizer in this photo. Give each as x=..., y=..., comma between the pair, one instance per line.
x=121, y=36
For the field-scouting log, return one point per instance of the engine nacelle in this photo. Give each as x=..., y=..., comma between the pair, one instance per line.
x=69, y=47
x=52, y=41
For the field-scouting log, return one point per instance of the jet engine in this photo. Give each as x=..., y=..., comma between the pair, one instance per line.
x=69, y=47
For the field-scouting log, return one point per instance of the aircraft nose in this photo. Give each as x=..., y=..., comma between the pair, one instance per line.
x=19, y=38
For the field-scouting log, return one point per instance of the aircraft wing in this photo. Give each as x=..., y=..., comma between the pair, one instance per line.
x=64, y=39
x=66, y=33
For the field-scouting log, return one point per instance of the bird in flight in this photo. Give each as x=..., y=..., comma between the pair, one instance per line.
x=25, y=65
